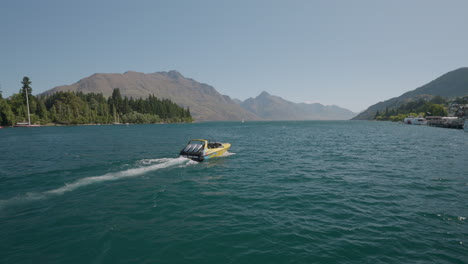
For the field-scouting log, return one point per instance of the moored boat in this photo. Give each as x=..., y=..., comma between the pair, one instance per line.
x=202, y=149
x=415, y=121
x=465, y=126
x=25, y=125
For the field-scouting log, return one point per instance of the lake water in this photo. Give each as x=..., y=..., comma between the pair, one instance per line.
x=288, y=192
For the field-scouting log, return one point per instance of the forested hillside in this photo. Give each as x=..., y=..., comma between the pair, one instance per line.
x=450, y=85
x=73, y=108
x=205, y=102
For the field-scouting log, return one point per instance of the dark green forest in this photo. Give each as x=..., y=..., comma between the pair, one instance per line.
x=74, y=108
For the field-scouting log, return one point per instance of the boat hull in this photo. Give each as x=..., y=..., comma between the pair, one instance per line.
x=200, y=150
x=26, y=125
x=213, y=153
x=415, y=121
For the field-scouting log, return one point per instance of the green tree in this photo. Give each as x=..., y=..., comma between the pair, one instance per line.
x=26, y=85
x=437, y=110
x=79, y=108
x=438, y=100
x=7, y=117
x=376, y=114
x=42, y=112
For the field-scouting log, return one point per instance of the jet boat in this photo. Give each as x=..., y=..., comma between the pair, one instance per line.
x=202, y=149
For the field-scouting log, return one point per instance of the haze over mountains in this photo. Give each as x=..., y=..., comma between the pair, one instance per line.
x=450, y=85
x=205, y=103
x=270, y=107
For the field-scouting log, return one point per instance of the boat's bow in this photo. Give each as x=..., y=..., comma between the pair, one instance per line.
x=216, y=150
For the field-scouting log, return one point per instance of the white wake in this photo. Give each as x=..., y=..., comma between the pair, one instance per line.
x=227, y=154
x=147, y=165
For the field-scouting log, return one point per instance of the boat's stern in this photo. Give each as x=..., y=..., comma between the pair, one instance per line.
x=194, y=150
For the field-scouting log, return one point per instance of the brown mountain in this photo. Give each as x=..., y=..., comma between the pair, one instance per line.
x=204, y=101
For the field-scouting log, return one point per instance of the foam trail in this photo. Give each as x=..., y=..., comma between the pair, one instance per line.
x=161, y=164
x=116, y=175
x=23, y=198
x=227, y=154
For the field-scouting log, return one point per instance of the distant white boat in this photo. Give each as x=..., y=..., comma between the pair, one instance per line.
x=415, y=121
x=25, y=125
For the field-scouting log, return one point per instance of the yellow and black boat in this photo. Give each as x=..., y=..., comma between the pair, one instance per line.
x=202, y=149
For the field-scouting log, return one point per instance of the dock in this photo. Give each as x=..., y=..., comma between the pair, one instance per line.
x=445, y=122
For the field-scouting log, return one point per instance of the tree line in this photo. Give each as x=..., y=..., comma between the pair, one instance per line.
x=74, y=108
x=437, y=106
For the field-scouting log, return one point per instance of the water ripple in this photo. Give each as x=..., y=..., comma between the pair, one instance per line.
x=295, y=192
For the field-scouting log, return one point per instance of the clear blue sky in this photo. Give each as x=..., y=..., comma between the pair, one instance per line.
x=349, y=53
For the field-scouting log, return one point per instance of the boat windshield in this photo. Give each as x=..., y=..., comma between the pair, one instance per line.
x=197, y=142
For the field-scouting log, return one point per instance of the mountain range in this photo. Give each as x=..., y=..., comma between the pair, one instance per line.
x=450, y=85
x=204, y=101
x=270, y=107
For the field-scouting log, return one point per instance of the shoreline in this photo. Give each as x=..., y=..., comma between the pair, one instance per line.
x=63, y=125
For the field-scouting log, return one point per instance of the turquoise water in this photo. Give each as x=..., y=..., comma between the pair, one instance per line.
x=288, y=192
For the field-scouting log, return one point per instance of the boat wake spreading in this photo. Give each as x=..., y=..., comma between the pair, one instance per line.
x=227, y=154
x=145, y=166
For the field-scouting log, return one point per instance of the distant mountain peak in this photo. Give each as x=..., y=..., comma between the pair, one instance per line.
x=271, y=107
x=263, y=94
x=463, y=69
x=175, y=74
x=171, y=74
x=312, y=102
